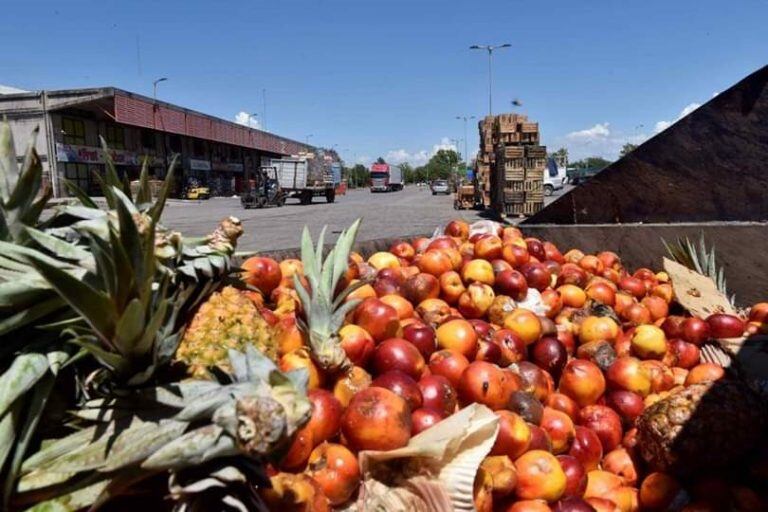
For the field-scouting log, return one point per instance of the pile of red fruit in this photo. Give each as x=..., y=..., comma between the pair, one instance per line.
x=440, y=327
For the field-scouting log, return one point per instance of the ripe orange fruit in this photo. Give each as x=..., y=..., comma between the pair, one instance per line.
x=525, y=324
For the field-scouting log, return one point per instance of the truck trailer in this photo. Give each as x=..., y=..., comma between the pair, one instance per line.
x=386, y=178
x=304, y=178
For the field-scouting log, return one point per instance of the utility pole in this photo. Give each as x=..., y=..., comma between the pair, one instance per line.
x=264, y=109
x=490, y=49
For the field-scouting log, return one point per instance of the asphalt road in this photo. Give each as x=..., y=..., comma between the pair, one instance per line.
x=413, y=211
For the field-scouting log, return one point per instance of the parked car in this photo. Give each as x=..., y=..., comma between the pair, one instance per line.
x=554, y=177
x=440, y=187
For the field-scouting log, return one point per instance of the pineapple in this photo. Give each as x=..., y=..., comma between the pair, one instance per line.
x=227, y=320
x=104, y=295
x=209, y=437
x=324, y=309
x=702, y=427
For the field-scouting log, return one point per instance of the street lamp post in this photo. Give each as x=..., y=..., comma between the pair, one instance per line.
x=465, y=119
x=154, y=86
x=489, y=49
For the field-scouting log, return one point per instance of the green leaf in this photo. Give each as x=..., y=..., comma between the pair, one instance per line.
x=114, y=361
x=33, y=413
x=8, y=164
x=130, y=327
x=25, y=371
x=165, y=191
x=28, y=182
x=58, y=246
x=8, y=427
x=144, y=195
x=137, y=443
x=80, y=194
x=93, y=305
x=30, y=315
x=192, y=449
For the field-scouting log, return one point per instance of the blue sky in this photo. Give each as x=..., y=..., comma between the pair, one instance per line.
x=389, y=77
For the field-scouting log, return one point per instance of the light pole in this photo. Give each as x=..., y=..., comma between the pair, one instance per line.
x=154, y=86
x=465, y=119
x=307, y=138
x=455, y=142
x=489, y=49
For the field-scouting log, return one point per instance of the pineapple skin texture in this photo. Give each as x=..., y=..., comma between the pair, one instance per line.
x=227, y=320
x=702, y=427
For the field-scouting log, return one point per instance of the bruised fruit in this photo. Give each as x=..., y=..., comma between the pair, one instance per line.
x=336, y=470
x=487, y=384
x=514, y=437
x=539, y=476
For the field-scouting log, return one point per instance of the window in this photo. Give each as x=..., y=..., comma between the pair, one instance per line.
x=174, y=141
x=552, y=167
x=115, y=136
x=198, y=149
x=73, y=131
x=77, y=174
x=148, y=139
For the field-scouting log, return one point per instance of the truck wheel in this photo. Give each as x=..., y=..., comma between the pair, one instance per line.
x=330, y=196
x=306, y=197
x=281, y=201
x=548, y=190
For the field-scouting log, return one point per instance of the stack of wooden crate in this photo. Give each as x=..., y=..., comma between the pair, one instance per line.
x=514, y=183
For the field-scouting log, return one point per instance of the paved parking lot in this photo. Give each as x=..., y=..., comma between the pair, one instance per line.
x=411, y=212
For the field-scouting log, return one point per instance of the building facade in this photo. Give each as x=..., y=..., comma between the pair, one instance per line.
x=213, y=152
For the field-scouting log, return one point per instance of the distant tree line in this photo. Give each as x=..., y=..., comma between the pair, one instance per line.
x=445, y=164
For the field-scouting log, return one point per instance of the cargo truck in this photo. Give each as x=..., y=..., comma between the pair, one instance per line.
x=386, y=178
x=305, y=178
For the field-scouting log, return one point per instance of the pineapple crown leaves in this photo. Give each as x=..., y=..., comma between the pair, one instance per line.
x=325, y=312
x=172, y=427
x=19, y=187
x=123, y=301
x=699, y=258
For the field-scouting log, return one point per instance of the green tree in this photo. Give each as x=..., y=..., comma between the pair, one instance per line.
x=592, y=162
x=409, y=173
x=561, y=157
x=357, y=176
x=627, y=149
x=443, y=164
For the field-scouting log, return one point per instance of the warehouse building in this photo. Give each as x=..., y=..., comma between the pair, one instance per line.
x=212, y=152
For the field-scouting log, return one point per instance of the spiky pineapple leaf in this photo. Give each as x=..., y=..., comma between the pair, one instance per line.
x=33, y=413
x=93, y=305
x=156, y=211
x=25, y=371
x=80, y=194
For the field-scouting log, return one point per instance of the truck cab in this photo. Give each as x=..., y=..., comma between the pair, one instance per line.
x=554, y=177
x=386, y=178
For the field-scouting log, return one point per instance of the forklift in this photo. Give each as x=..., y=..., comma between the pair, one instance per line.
x=263, y=190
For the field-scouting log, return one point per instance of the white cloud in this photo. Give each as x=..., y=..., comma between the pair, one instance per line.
x=418, y=157
x=600, y=131
x=663, y=125
x=598, y=140
x=246, y=119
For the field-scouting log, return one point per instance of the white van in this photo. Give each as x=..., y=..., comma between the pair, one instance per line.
x=554, y=177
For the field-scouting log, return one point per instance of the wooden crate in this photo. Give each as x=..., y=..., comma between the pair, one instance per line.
x=515, y=186
x=512, y=151
x=534, y=174
x=514, y=208
x=509, y=138
x=514, y=173
x=529, y=127
x=529, y=208
x=532, y=185
x=514, y=196
x=534, y=196
x=535, y=163
x=529, y=138
x=535, y=151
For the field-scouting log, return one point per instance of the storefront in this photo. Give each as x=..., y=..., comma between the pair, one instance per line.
x=80, y=163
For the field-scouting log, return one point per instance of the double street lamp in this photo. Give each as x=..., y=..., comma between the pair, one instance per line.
x=490, y=49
